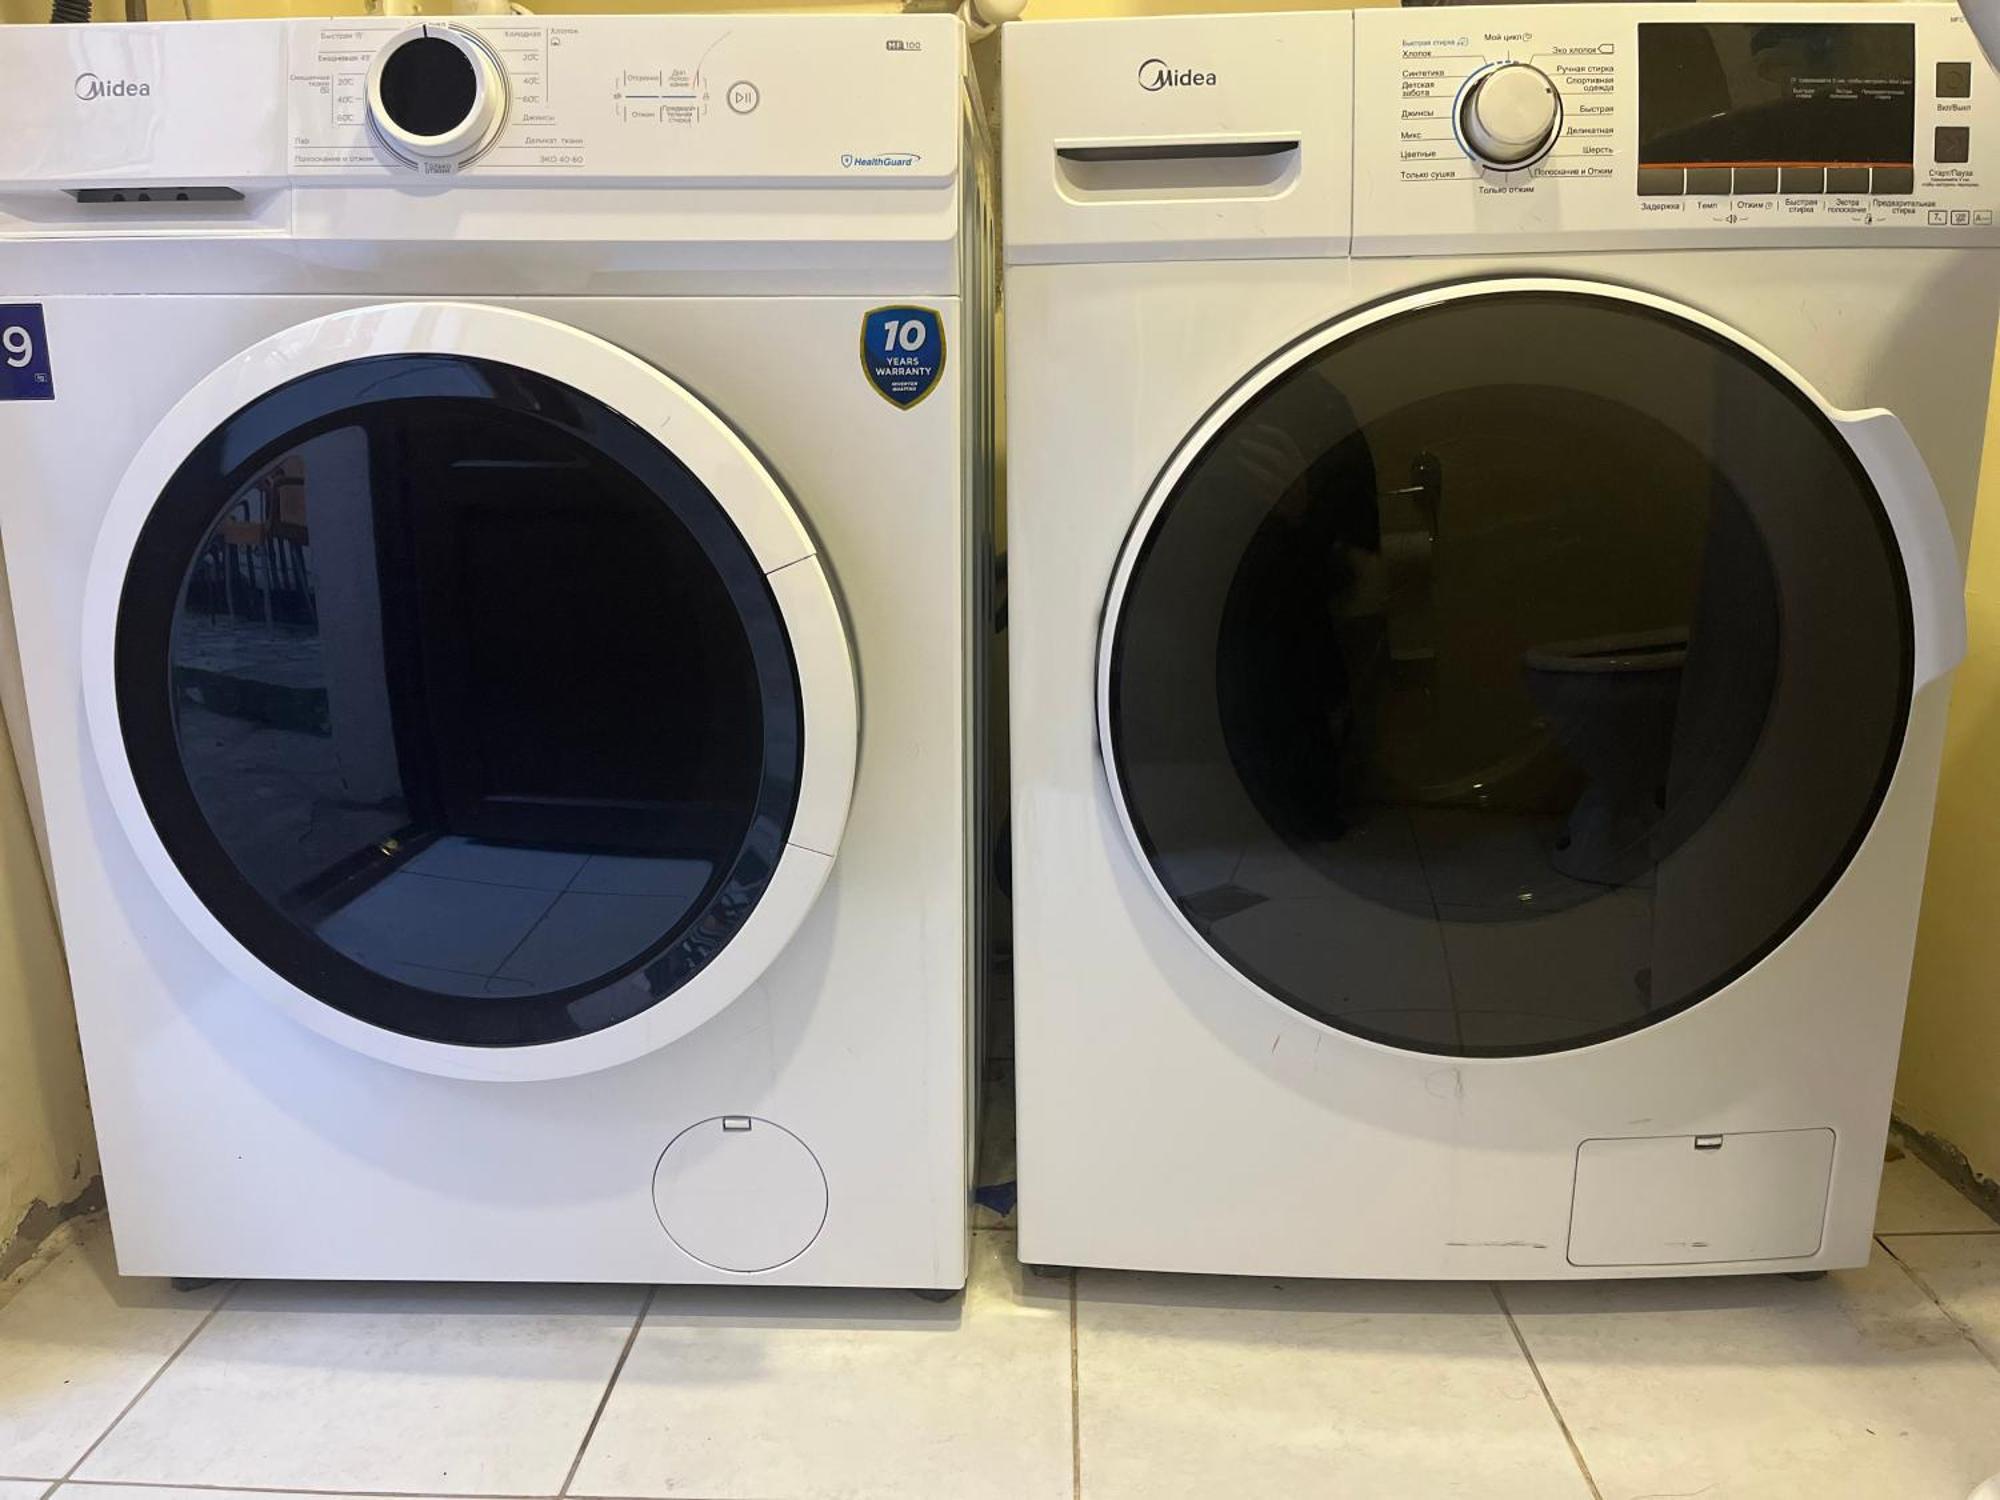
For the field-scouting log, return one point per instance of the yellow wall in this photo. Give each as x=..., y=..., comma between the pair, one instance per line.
x=48, y=1156
x=1950, y=1080
x=47, y=1153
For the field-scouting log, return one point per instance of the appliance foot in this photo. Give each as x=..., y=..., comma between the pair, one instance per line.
x=1037, y=1268
x=193, y=1283
x=935, y=1293
x=1805, y=1275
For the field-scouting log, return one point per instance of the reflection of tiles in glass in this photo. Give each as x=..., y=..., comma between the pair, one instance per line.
x=1196, y=869
x=490, y=920
x=455, y=858
x=1341, y=953
x=288, y=656
x=446, y=924
x=1473, y=858
x=1375, y=858
x=449, y=982
x=277, y=799
x=1366, y=932
x=631, y=875
x=1219, y=901
x=1582, y=967
x=584, y=934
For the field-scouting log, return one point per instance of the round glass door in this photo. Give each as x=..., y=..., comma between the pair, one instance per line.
x=459, y=700
x=1507, y=672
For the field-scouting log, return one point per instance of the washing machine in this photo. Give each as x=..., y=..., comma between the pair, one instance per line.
x=496, y=524
x=1488, y=492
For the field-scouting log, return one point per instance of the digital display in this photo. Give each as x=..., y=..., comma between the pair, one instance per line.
x=1777, y=94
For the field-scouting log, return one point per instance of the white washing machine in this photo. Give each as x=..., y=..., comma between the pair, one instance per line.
x=1487, y=496
x=497, y=524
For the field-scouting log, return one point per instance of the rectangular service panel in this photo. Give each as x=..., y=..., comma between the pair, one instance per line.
x=1683, y=1200
x=1726, y=125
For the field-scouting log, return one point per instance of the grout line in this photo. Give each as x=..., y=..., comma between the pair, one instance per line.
x=603, y=1401
x=1992, y=1357
x=1075, y=1403
x=293, y=1489
x=152, y=1380
x=1930, y=1234
x=1555, y=1411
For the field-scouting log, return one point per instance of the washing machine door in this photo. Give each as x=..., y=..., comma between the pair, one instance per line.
x=470, y=689
x=1514, y=665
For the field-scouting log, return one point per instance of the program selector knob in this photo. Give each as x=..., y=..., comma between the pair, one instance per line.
x=1509, y=116
x=436, y=96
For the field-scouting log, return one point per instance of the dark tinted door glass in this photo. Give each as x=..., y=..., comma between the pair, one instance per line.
x=459, y=700
x=1510, y=674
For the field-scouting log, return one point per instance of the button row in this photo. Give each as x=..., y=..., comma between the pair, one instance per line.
x=1722, y=182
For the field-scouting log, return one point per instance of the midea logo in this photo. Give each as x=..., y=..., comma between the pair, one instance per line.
x=90, y=86
x=1154, y=75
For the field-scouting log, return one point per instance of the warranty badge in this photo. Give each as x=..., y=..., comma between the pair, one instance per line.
x=902, y=349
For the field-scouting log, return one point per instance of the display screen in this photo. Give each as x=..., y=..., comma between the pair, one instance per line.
x=1777, y=94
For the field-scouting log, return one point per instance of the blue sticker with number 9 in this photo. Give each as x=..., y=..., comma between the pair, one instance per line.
x=24, y=354
x=902, y=349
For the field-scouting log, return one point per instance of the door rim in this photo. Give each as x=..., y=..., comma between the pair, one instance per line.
x=1875, y=439
x=749, y=495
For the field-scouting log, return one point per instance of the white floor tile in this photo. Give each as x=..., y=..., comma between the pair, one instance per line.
x=1206, y=1387
x=1915, y=1200
x=78, y=1342
x=1963, y=1272
x=23, y=1489
x=427, y=1390
x=766, y=1391
x=1854, y=1386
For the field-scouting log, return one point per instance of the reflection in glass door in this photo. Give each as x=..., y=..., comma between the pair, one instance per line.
x=459, y=700
x=1507, y=674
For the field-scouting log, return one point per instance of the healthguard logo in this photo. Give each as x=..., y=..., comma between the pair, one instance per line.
x=881, y=159
x=1155, y=74
x=90, y=86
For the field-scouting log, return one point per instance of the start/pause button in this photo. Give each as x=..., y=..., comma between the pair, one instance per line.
x=743, y=97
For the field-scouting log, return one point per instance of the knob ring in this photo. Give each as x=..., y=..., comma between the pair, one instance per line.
x=466, y=141
x=1464, y=97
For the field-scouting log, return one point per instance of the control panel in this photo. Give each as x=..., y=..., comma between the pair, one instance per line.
x=1583, y=126
x=664, y=98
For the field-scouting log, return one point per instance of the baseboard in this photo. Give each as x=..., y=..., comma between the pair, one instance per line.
x=1945, y=1159
x=42, y=1220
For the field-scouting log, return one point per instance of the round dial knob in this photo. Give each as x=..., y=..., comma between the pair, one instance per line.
x=1510, y=116
x=435, y=94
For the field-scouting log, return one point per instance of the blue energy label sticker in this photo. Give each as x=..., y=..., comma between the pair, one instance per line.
x=24, y=354
x=902, y=349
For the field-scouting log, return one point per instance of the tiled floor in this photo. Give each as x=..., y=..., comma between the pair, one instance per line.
x=1878, y=1384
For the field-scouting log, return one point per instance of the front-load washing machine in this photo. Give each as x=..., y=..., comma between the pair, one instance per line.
x=1487, y=495
x=496, y=526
